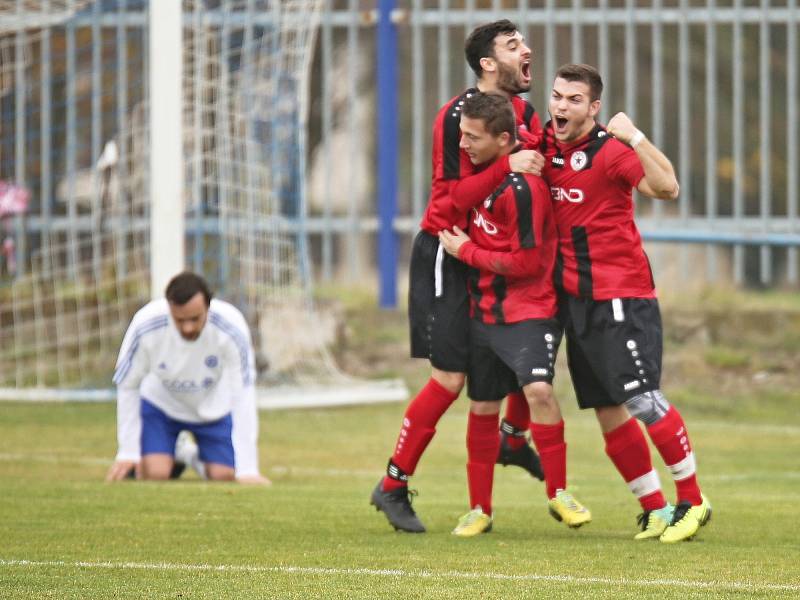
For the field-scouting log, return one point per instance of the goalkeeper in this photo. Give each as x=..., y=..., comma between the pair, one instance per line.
x=186, y=363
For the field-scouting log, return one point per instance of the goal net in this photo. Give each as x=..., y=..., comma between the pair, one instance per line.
x=73, y=75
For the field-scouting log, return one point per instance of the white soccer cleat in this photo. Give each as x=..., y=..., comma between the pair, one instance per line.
x=187, y=452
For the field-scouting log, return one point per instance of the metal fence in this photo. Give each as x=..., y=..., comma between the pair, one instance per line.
x=713, y=83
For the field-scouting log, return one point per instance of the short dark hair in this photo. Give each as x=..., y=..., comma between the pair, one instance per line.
x=480, y=42
x=184, y=286
x=495, y=110
x=585, y=73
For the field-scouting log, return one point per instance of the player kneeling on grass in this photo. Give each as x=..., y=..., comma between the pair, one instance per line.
x=186, y=365
x=514, y=335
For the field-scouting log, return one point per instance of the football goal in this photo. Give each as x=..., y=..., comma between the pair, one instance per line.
x=77, y=101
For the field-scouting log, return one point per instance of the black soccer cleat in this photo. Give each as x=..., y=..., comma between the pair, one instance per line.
x=524, y=456
x=177, y=470
x=396, y=505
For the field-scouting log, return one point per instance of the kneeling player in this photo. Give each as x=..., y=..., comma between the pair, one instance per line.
x=186, y=364
x=514, y=336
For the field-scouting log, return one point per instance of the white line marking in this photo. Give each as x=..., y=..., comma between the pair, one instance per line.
x=735, y=585
x=54, y=458
x=319, y=472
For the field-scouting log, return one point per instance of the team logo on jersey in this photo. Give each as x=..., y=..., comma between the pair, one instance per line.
x=578, y=160
x=211, y=361
x=484, y=224
x=207, y=383
x=573, y=195
x=162, y=366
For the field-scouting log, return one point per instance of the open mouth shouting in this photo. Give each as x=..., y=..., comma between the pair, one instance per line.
x=525, y=72
x=560, y=124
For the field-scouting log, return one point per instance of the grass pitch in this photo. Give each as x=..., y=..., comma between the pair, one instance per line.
x=732, y=366
x=66, y=534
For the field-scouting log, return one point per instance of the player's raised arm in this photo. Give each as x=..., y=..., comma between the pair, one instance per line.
x=471, y=191
x=659, y=179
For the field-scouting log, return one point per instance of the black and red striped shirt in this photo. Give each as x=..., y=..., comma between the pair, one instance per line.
x=512, y=252
x=600, y=249
x=451, y=165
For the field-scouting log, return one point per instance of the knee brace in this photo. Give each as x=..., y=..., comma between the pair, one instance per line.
x=648, y=407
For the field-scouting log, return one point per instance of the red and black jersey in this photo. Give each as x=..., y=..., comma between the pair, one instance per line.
x=600, y=249
x=512, y=253
x=451, y=164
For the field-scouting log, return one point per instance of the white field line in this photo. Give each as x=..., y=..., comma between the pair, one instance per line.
x=54, y=458
x=318, y=472
x=467, y=575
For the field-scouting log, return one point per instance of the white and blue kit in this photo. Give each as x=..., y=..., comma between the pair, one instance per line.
x=194, y=382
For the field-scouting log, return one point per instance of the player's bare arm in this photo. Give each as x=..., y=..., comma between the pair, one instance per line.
x=659, y=179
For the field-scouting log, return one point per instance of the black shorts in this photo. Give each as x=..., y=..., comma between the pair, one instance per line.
x=438, y=306
x=614, y=348
x=506, y=357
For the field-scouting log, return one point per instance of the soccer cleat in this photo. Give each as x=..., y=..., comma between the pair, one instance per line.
x=654, y=522
x=686, y=521
x=177, y=470
x=565, y=508
x=187, y=454
x=396, y=505
x=524, y=456
x=473, y=523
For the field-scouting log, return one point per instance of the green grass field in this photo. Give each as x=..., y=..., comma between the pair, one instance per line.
x=66, y=534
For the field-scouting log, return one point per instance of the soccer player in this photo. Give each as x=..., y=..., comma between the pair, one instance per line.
x=186, y=364
x=438, y=302
x=609, y=307
x=514, y=335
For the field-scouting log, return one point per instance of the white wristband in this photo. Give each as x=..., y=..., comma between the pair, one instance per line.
x=636, y=139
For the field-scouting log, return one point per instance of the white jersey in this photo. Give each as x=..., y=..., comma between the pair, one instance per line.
x=195, y=381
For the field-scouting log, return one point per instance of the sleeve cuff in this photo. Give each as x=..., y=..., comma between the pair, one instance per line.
x=466, y=253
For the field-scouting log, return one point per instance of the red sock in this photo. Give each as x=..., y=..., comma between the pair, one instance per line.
x=549, y=441
x=483, y=444
x=419, y=425
x=672, y=440
x=627, y=448
x=518, y=415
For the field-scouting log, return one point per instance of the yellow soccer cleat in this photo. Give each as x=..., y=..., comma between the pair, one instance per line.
x=565, y=508
x=686, y=521
x=473, y=523
x=654, y=522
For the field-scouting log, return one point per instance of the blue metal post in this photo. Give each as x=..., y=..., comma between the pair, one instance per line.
x=387, y=153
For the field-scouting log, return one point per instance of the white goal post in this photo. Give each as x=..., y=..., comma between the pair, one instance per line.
x=139, y=165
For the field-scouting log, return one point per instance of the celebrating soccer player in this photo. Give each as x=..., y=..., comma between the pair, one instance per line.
x=438, y=304
x=609, y=306
x=514, y=336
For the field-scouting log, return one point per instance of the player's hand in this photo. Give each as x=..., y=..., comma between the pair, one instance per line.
x=526, y=161
x=621, y=127
x=452, y=242
x=120, y=469
x=253, y=480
